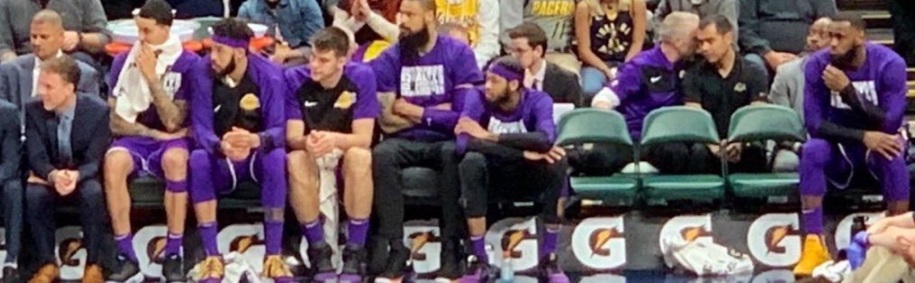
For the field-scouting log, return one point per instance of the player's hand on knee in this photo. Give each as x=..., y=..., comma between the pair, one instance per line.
x=889, y=146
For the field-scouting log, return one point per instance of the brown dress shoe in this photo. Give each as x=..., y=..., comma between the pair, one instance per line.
x=93, y=274
x=48, y=273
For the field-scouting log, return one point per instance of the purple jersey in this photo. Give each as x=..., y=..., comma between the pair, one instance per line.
x=178, y=80
x=268, y=101
x=432, y=80
x=332, y=109
x=647, y=82
x=534, y=114
x=879, y=84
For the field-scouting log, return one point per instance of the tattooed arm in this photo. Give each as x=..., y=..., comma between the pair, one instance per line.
x=121, y=128
x=171, y=112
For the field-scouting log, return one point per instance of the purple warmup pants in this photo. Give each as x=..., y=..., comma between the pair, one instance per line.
x=822, y=161
x=212, y=176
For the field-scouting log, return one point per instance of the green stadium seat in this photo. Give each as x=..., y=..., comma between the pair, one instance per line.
x=687, y=125
x=588, y=125
x=760, y=123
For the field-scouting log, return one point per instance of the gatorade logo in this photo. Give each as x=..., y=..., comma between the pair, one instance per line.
x=774, y=239
x=71, y=252
x=843, y=230
x=425, y=247
x=149, y=242
x=246, y=240
x=518, y=238
x=686, y=229
x=599, y=243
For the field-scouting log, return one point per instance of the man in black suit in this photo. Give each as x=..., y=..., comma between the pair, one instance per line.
x=68, y=135
x=528, y=45
x=11, y=184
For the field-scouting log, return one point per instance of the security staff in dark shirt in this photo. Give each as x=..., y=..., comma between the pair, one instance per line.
x=721, y=84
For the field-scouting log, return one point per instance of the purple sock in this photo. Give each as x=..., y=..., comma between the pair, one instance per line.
x=479, y=248
x=357, y=228
x=125, y=247
x=208, y=236
x=813, y=221
x=550, y=238
x=313, y=232
x=173, y=244
x=273, y=237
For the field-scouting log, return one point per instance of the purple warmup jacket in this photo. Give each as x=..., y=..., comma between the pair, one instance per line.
x=647, y=82
x=269, y=80
x=179, y=78
x=430, y=81
x=874, y=101
x=529, y=127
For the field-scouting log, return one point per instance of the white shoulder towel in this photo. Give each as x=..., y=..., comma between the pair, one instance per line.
x=132, y=90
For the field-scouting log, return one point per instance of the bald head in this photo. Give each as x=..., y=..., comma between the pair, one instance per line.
x=428, y=5
x=818, y=35
x=48, y=17
x=46, y=34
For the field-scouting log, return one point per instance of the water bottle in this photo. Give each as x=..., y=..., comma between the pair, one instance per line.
x=507, y=271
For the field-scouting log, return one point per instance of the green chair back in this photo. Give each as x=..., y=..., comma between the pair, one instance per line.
x=679, y=124
x=589, y=125
x=766, y=122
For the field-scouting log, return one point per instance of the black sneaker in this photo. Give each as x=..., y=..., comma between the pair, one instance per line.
x=173, y=269
x=353, y=264
x=550, y=271
x=10, y=275
x=397, y=263
x=451, y=266
x=319, y=255
x=126, y=271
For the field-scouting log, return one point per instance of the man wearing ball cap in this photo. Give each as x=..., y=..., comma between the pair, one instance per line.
x=238, y=120
x=507, y=136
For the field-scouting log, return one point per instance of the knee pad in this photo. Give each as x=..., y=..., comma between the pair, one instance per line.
x=176, y=186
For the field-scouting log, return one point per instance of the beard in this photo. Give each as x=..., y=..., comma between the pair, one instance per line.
x=846, y=59
x=225, y=71
x=410, y=43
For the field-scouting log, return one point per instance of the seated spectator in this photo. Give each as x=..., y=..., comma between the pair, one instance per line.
x=721, y=84
x=290, y=22
x=19, y=77
x=369, y=20
x=422, y=81
x=649, y=81
x=608, y=33
x=702, y=8
x=506, y=137
x=150, y=124
x=11, y=184
x=854, y=105
x=84, y=22
x=788, y=90
x=772, y=31
x=68, y=134
x=528, y=45
x=455, y=31
x=553, y=17
x=890, y=251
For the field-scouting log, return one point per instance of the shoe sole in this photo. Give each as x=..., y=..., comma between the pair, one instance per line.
x=137, y=278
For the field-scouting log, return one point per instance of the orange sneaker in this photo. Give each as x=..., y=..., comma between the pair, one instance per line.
x=212, y=269
x=93, y=274
x=814, y=254
x=48, y=273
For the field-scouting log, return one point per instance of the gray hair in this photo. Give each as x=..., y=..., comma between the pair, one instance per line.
x=677, y=25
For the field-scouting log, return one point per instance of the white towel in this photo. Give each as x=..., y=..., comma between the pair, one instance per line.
x=132, y=90
x=329, y=202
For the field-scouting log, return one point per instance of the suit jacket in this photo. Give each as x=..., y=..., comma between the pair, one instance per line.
x=11, y=153
x=562, y=85
x=16, y=80
x=88, y=139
